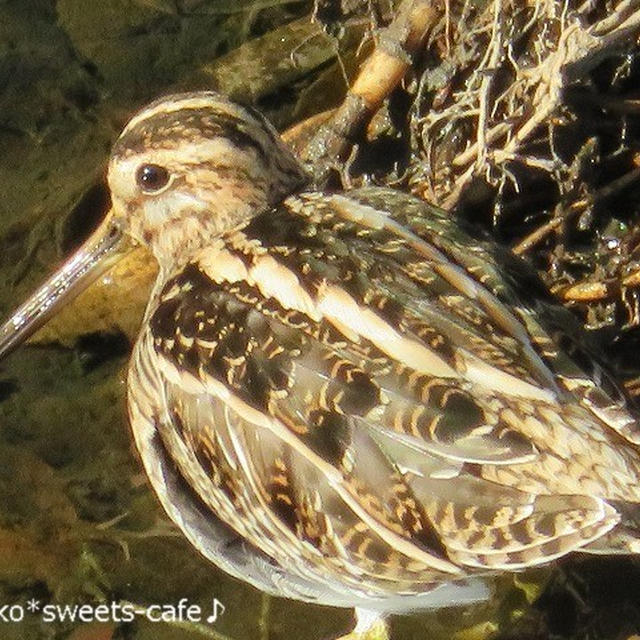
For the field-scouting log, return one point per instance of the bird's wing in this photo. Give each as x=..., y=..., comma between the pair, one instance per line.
x=335, y=378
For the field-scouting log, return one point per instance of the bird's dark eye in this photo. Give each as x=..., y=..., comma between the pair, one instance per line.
x=152, y=177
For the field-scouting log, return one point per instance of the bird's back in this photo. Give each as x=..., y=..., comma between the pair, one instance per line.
x=353, y=385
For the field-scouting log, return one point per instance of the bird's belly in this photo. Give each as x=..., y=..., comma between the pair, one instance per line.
x=231, y=528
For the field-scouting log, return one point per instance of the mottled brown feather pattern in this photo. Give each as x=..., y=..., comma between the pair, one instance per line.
x=350, y=382
x=399, y=440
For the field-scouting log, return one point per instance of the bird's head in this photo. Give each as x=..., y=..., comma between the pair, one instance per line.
x=185, y=168
x=190, y=166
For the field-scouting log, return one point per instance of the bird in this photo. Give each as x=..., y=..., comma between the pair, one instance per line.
x=344, y=397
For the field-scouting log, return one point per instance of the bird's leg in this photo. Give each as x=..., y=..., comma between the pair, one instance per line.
x=370, y=625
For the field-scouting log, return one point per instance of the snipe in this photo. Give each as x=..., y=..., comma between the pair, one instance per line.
x=342, y=397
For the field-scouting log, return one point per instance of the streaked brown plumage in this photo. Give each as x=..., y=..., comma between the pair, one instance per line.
x=344, y=398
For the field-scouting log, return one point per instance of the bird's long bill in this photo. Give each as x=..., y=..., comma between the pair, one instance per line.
x=100, y=251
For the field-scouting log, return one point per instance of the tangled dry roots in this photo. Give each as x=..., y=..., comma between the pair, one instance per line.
x=507, y=67
x=522, y=115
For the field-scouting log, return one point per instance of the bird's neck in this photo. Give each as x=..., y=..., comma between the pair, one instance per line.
x=183, y=226
x=179, y=241
x=183, y=237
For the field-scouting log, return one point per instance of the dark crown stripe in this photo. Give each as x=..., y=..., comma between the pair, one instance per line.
x=169, y=128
